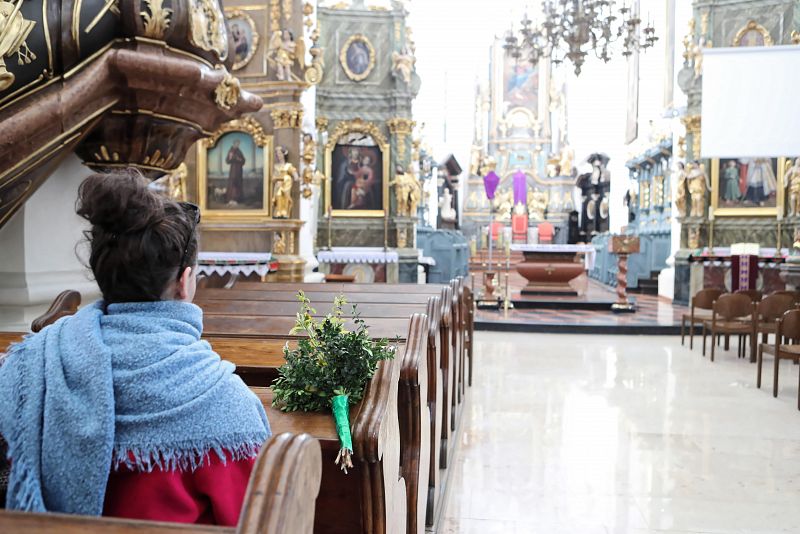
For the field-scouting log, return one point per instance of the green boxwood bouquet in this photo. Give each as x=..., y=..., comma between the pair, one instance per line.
x=329, y=369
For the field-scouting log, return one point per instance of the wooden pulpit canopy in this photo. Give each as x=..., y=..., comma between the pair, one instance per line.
x=125, y=83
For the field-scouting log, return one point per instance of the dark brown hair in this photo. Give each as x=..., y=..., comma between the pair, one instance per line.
x=138, y=239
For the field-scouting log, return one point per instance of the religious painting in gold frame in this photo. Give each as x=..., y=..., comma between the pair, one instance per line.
x=357, y=57
x=747, y=187
x=357, y=169
x=233, y=172
x=242, y=30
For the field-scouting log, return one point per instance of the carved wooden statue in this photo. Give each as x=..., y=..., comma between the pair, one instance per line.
x=680, y=197
x=285, y=175
x=698, y=186
x=407, y=191
x=792, y=181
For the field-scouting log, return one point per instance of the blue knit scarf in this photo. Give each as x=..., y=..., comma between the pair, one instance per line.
x=131, y=384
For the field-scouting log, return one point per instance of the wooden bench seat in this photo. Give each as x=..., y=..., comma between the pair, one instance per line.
x=280, y=498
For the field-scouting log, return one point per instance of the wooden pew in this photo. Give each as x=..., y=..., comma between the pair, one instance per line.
x=280, y=498
x=261, y=360
x=372, y=498
x=442, y=371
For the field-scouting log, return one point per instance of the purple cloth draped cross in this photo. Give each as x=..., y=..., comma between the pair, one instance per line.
x=520, y=188
x=490, y=183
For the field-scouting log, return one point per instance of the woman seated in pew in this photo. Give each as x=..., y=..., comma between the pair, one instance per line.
x=121, y=409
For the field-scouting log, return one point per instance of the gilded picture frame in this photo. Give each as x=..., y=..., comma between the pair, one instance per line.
x=254, y=180
x=357, y=57
x=722, y=207
x=244, y=34
x=342, y=135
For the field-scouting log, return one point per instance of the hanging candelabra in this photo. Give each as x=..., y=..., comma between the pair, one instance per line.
x=570, y=29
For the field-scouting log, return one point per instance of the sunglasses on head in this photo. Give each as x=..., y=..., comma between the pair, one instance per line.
x=193, y=212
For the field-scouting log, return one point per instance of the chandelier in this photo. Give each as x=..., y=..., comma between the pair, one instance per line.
x=573, y=28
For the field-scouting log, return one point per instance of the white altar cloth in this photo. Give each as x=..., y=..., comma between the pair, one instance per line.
x=234, y=263
x=358, y=255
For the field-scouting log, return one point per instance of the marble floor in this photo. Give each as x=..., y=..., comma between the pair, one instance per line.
x=603, y=434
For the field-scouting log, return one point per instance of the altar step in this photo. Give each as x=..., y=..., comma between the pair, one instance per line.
x=647, y=286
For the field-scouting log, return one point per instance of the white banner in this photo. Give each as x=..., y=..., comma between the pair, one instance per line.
x=750, y=103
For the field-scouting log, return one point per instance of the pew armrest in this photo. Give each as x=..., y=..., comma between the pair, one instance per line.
x=66, y=303
x=283, y=488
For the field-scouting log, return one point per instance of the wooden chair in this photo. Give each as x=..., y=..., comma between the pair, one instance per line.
x=730, y=314
x=787, y=327
x=794, y=294
x=754, y=294
x=280, y=498
x=767, y=313
x=702, y=303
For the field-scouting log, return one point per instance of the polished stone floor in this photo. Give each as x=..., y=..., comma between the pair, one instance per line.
x=602, y=434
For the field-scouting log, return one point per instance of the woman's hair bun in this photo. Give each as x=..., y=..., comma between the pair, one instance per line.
x=119, y=203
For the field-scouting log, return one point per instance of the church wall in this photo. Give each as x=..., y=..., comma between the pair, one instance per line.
x=40, y=249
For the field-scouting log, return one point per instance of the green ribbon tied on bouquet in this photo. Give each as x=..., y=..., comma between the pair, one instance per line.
x=341, y=414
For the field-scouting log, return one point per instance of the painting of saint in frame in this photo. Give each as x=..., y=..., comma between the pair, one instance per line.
x=357, y=178
x=233, y=170
x=357, y=167
x=743, y=186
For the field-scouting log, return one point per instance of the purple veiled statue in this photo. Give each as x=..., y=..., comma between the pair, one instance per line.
x=490, y=183
x=520, y=188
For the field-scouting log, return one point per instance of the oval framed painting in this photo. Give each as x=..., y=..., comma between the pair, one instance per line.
x=357, y=57
x=244, y=36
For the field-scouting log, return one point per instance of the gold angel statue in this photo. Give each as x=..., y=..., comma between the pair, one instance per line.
x=285, y=175
x=283, y=51
x=503, y=204
x=403, y=64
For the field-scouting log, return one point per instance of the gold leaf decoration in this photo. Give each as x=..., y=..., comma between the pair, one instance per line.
x=156, y=21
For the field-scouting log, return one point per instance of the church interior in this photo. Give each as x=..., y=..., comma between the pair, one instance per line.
x=384, y=267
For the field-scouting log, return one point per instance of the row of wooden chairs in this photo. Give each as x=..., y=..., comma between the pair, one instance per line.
x=748, y=315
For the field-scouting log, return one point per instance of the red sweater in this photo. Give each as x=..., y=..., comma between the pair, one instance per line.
x=212, y=494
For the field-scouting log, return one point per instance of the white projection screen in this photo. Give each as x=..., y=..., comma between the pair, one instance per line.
x=751, y=102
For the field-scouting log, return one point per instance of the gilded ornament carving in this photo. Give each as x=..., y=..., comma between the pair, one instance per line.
x=357, y=125
x=401, y=128
x=309, y=157
x=156, y=21
x=226, y=95
x=693, y=237
x=316, y=69
x=795, y=37
x=275, y=15
x=173, y=184
x=362, y=71
x=692, y=124
x=278, y=243
x=104, y=154
x=110, y=6
x=207, y=27
x=287, y=10
x=402, y=238
x=14, y=30
x=286, y=118
x=750, y=28
x=245, y=124
x=157, y=159
x=321, y=124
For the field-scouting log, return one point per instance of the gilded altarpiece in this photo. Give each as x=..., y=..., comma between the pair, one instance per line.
x=515, y=117
x=247, y=175
x=364, y=120
x=729, y=210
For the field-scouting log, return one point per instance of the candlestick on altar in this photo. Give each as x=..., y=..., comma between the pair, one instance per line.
x=330, y=228
x=386, y=230
x=623, y=246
